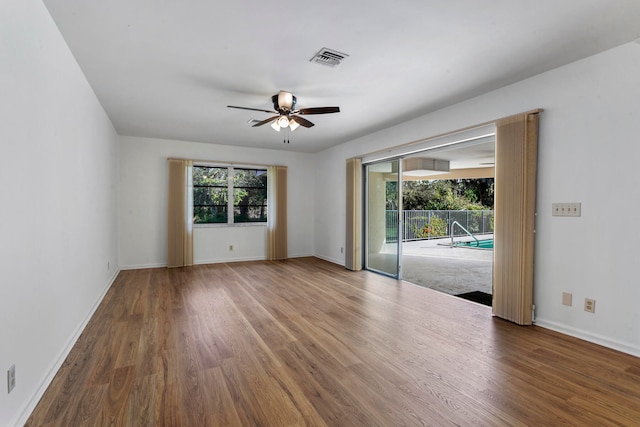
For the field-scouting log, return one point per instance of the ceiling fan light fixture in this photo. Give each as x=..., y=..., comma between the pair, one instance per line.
x=293, y=125
x=275, y=126
x=283, y=121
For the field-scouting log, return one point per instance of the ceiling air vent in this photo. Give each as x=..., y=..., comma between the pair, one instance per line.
x=329, y=57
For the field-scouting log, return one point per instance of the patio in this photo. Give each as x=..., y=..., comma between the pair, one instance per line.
x=437, y=265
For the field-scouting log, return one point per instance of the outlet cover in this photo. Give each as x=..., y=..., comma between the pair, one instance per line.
x=567, y=298
x=589, y=305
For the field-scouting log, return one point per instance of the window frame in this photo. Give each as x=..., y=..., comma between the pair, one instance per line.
x=230, y=195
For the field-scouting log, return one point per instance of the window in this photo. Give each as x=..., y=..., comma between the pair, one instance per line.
x=249, y=195
x=228, y=195
x=210, y=195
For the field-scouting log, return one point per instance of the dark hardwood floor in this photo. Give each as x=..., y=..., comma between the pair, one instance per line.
x=305, y=342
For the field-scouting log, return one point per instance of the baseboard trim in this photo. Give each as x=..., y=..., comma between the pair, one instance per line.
x=220, y=261
x=214, y=261
x=332, y=260
x=301, y=255
x=628, y=348
x=48, y=378
x=141, y=266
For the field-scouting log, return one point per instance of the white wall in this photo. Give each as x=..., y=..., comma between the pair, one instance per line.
x=589, y=152
x=58, y=250
x=143, y=203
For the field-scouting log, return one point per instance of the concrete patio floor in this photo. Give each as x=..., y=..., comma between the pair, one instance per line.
x=437, y=265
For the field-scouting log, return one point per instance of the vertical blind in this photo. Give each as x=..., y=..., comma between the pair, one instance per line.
x=353, y=241
x=277, y=214
x=515, y=199
x=180, y=214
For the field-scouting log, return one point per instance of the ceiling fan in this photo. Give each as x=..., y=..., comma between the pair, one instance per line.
x=284, y=104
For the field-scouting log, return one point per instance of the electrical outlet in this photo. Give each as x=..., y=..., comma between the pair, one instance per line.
x=589, y=305
x=567, y=298
x=230, y=247
x=11, y=378
x=341, y=250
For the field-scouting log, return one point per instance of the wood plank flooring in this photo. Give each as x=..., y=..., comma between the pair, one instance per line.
x=305, y=342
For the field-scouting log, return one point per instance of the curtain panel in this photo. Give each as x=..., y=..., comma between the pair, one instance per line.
x=514, y=210
x=277, y=213
x=180, y=213
x=353, y=240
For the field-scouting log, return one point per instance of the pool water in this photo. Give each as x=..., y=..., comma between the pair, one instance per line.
x=481, y=244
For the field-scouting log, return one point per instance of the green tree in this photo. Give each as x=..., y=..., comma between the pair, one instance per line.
x=392, y=195
x=448, y=194
x=479, y=190
x=250, y=195
x=210, y=194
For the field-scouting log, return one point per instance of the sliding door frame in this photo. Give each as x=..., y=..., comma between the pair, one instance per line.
x=515, y=209
x=367, y=218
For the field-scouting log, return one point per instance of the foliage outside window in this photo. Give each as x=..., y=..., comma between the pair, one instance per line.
x=249, y=195
x=455, y=194
x=228, y=195
x=436, y=228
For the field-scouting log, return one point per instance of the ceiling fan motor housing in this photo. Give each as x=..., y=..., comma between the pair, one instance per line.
x=284, y=101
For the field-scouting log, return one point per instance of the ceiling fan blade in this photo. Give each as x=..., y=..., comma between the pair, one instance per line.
x=264, y=122
x=301, y=121
x=253, y=109
x=318, y=110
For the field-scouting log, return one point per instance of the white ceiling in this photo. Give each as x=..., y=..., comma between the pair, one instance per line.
x=168, y=69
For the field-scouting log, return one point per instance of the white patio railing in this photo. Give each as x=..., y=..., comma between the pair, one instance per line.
x=433, y=224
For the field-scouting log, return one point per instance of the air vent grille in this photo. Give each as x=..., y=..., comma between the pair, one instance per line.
x=328, y=57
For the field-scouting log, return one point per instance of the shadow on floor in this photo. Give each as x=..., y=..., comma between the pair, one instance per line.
x=479, y=297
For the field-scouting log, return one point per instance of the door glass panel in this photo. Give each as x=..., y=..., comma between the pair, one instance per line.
x=382, y=229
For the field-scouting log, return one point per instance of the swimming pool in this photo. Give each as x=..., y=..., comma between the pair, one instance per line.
x=480, y=244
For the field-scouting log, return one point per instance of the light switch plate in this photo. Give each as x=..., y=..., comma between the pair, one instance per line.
x=566, y=209
x=11, y=378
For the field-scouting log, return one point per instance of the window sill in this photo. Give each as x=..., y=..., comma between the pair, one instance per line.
x=222, y=225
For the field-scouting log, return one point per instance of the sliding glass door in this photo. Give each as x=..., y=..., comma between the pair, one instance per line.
x=383, y=204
